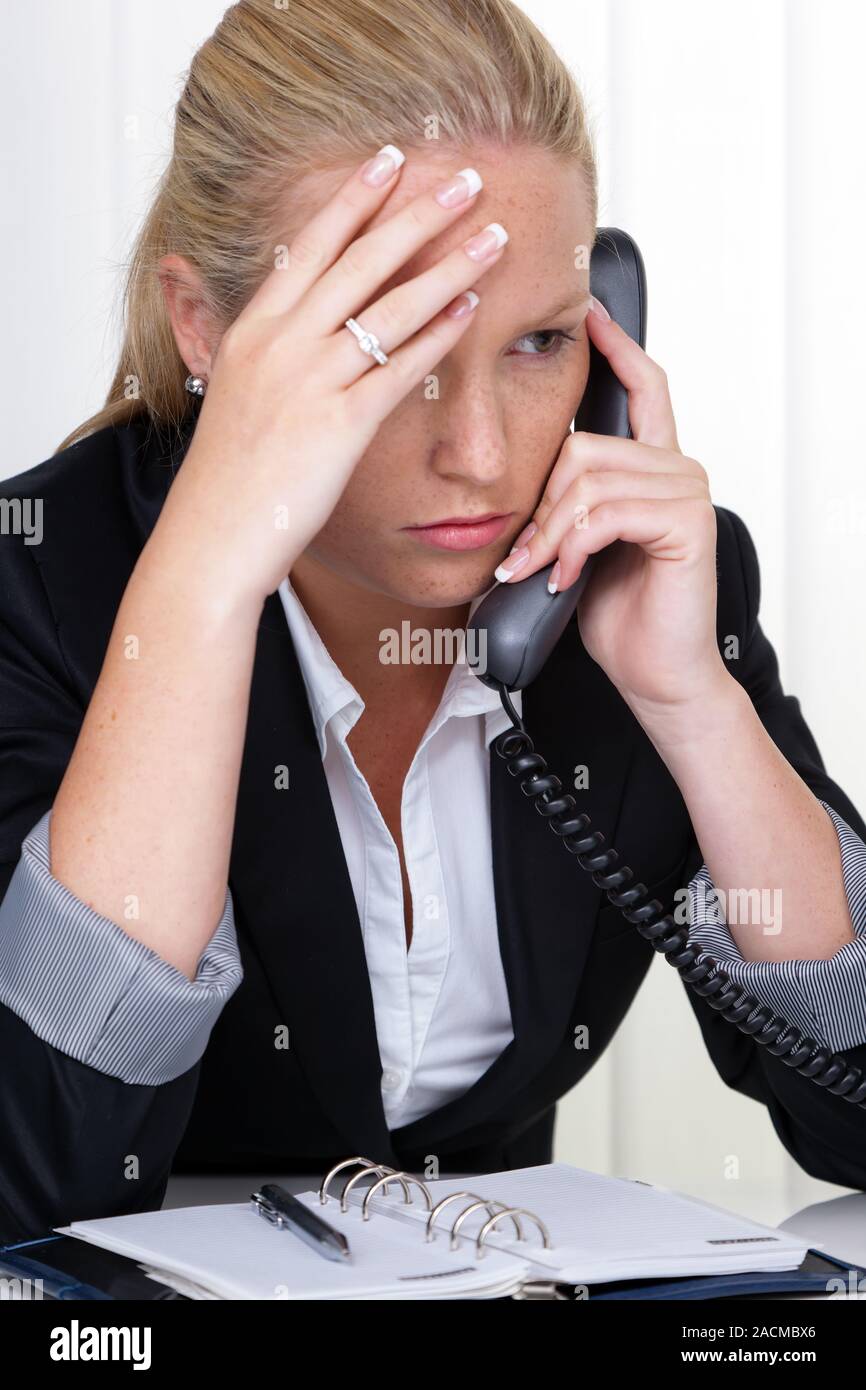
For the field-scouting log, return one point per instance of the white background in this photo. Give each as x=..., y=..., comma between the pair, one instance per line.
x=730, y=140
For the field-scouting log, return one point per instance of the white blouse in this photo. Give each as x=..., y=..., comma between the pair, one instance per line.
x=441, y=1007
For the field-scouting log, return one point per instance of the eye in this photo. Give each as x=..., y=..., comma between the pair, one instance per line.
x=556, y=335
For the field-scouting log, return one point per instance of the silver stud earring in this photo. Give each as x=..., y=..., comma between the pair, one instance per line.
x=195, y=385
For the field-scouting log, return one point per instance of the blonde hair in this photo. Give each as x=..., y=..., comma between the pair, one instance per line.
x=285, y=87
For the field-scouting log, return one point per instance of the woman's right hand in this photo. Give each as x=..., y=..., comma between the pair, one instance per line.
x=293, y=401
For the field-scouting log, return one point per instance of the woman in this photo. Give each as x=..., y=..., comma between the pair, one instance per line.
x=270, y=899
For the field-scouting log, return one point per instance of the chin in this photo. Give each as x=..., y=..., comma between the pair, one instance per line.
x=443, y=582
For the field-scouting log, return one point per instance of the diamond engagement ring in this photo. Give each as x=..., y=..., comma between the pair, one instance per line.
x=368, y=342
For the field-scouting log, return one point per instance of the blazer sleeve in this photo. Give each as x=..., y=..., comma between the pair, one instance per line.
x=825, y=1133
x=100, y=1037
x=88, y=988
x=823, y=998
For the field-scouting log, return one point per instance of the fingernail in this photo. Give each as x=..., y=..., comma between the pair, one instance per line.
x=485, y=242
x=382, y=166
x=511, y=565
x=459, y=187
x=525, y=535
x=553, y=581
x=598, y=307
x=462, y=305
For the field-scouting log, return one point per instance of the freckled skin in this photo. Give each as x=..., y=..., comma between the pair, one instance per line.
x=487, y=444
x=490, y=440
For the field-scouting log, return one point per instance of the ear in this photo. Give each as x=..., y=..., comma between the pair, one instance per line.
x=190, y=321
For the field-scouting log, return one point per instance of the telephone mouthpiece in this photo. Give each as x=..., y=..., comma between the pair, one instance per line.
x=517, y=627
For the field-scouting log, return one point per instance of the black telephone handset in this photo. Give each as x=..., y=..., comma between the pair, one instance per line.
x=522, y=624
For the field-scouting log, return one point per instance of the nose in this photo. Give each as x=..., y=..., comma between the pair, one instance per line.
x=469, y=438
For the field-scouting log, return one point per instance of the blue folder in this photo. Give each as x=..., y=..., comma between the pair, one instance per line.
x=812, y=1276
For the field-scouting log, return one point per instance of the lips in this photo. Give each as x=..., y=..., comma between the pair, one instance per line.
x=462, y=533
x=461, y=520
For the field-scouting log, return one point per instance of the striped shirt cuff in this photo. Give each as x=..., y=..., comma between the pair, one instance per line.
x=826, y=999
x=89, y=989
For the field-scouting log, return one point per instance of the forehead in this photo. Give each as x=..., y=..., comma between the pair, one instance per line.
x=539, y=198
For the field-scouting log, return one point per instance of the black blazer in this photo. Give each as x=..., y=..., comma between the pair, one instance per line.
x=569, y=956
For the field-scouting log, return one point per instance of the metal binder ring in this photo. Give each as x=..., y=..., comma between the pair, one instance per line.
x=510, y=1211
x=481, y=1202
x=454, y=1197
x=374, y=1168
x=366, y=1163
x=390, y=1178
x=478, y=1201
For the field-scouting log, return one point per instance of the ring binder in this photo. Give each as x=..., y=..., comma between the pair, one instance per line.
x=362, y=1173
x=467, y=1211
x=409, y=1178
x=366, y=1163
x=510, y=1211
x=455, y=1197
x=606, y=1232
x=498, y=1210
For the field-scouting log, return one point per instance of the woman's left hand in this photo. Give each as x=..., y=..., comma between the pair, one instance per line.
x=648, y=614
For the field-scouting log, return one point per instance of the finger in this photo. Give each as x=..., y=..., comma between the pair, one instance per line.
x=584, y=452
x=404, y=310
x=320, y=240
x=650, y=412
x=377, y=392
x=665, y=528
x=374, y=258
x=581, y=500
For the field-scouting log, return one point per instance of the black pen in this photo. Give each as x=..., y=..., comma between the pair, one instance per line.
x=279, y=1207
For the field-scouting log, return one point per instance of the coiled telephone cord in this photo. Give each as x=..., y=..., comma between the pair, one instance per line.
x=699, y=970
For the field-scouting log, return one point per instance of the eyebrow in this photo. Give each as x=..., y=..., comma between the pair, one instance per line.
x=570, y=302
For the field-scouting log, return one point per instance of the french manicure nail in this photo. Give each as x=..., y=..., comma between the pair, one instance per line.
x=598, y=307
x=511, y=565
x=463, y=185
x=553, y=581
x=382, y=166
x=485, y=242
x=462, y=305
